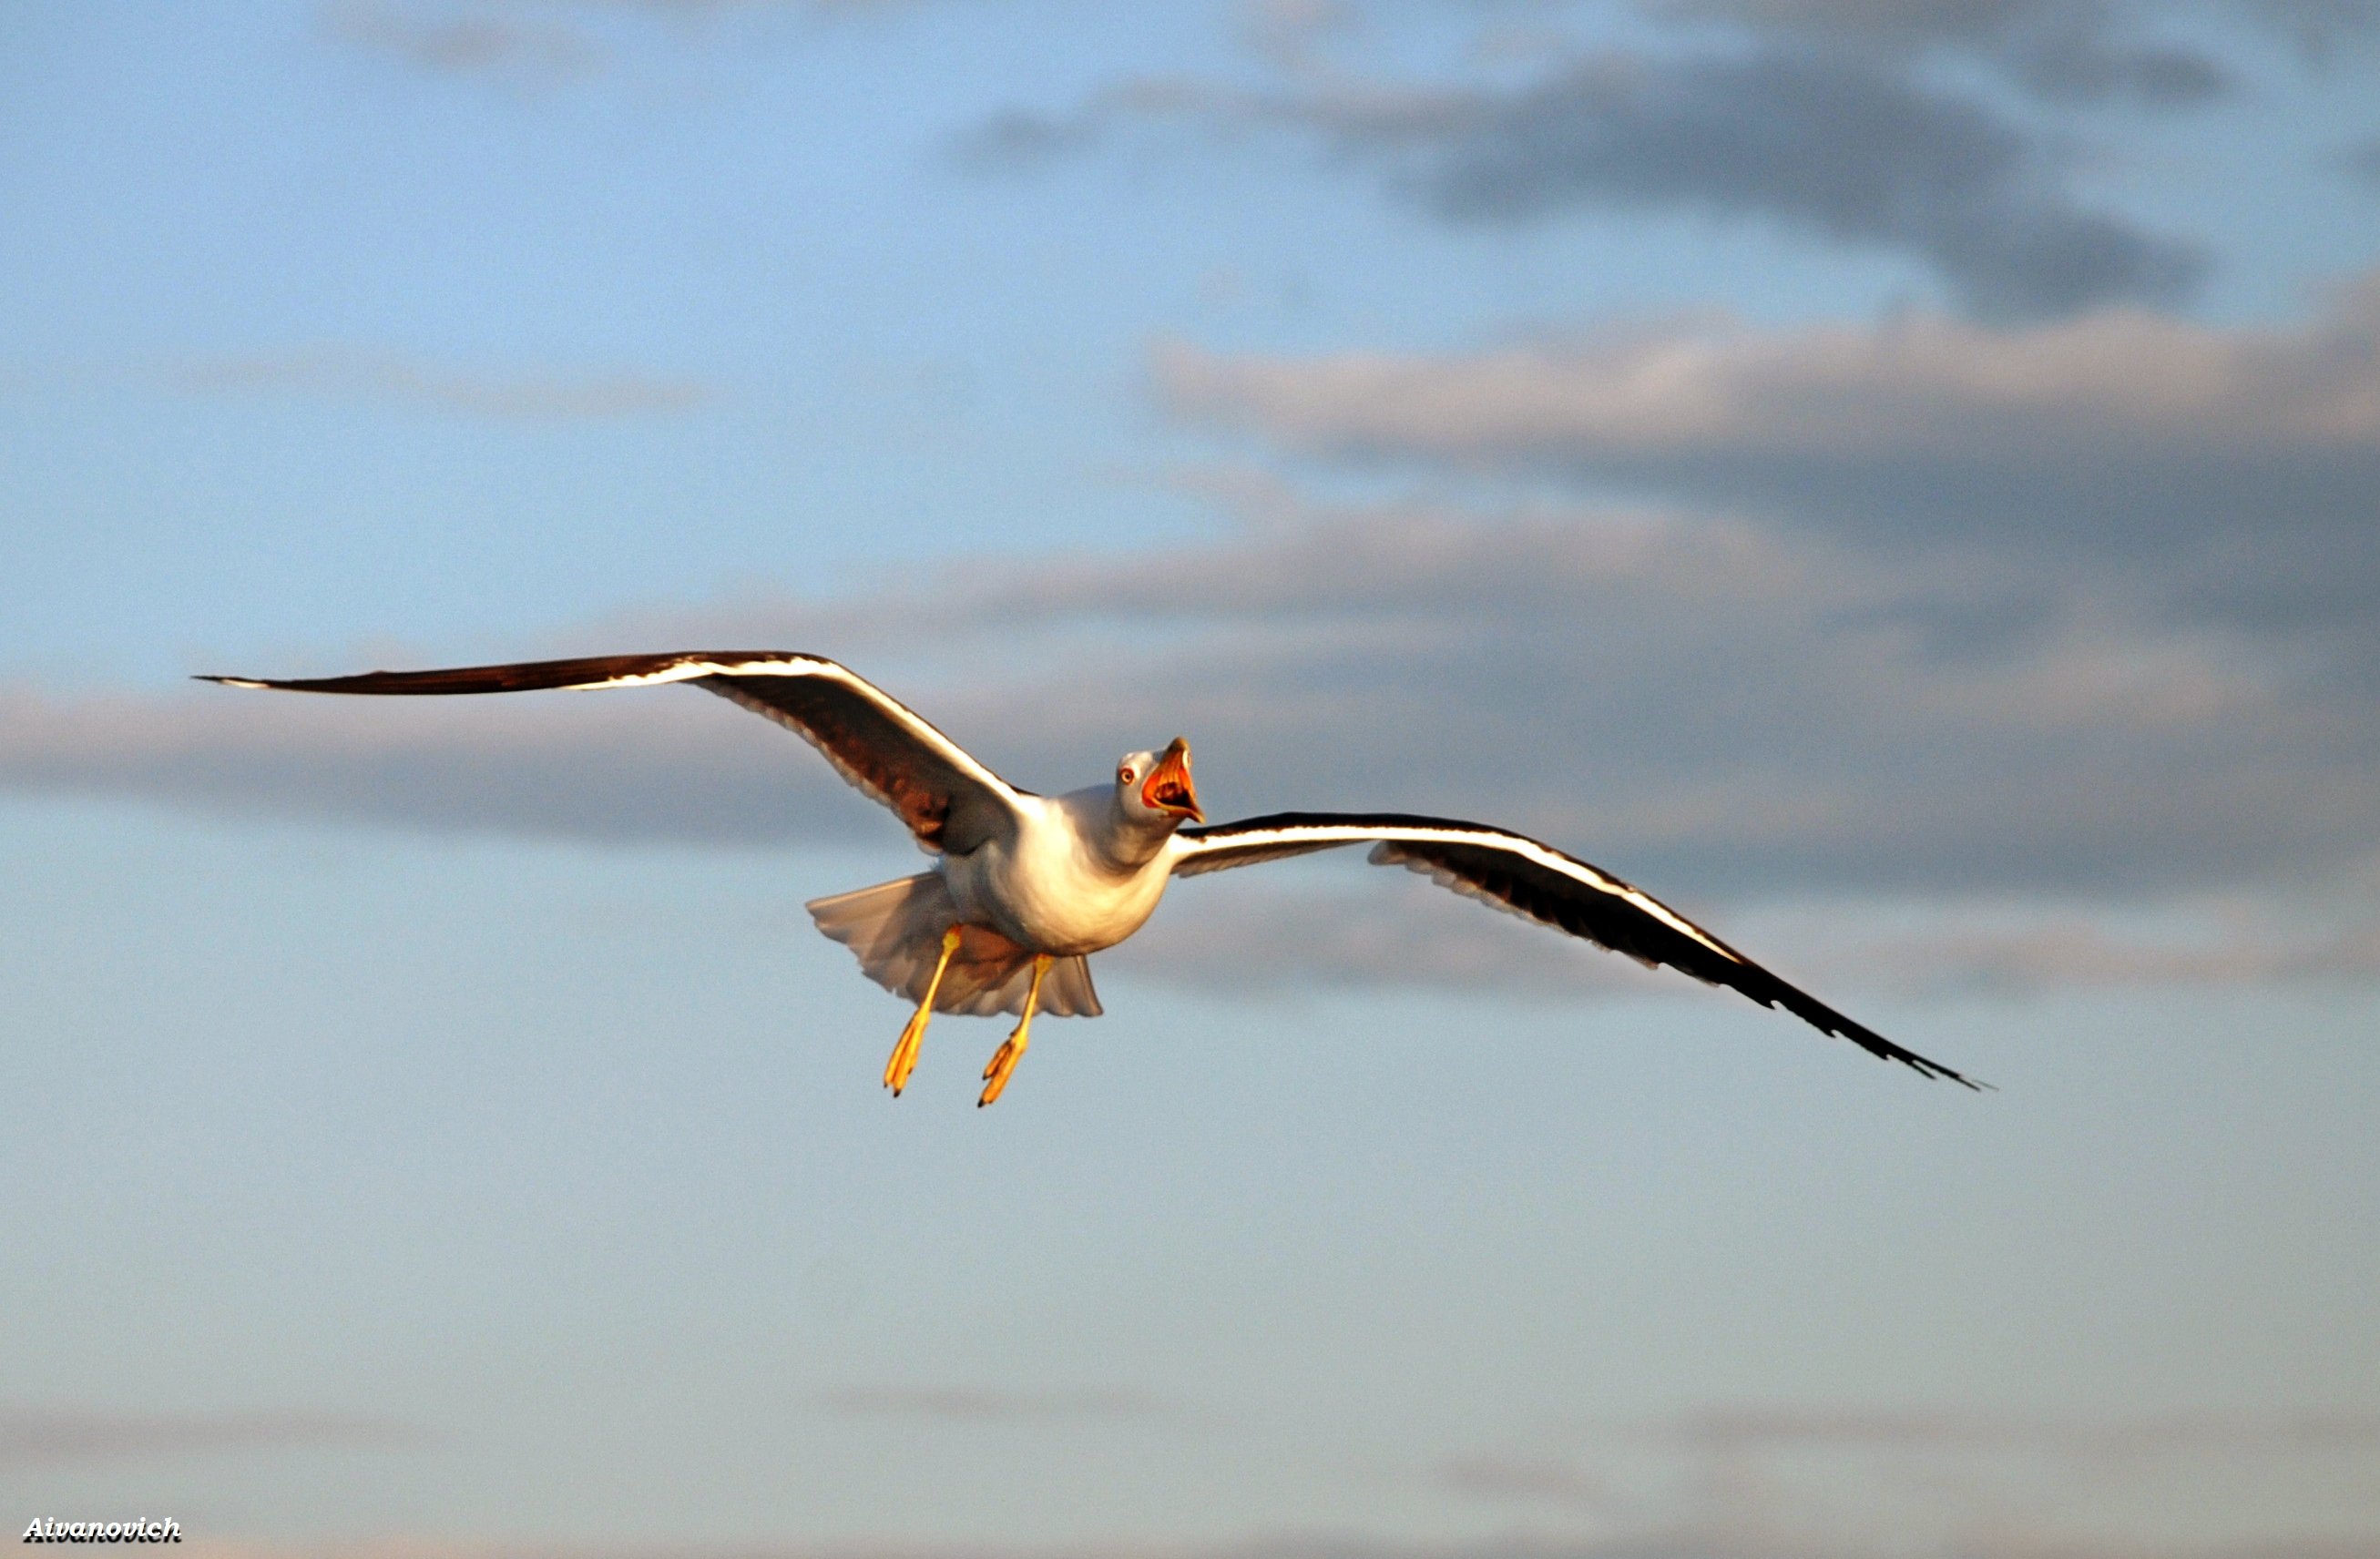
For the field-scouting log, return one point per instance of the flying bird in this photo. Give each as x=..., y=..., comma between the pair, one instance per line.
x=1024, y=888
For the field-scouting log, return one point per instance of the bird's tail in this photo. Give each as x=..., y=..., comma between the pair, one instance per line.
x=896, y=930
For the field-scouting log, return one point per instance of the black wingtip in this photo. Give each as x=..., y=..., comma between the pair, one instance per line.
x=1974, y=1085
x=1930, y=1070
x=1826, y=1020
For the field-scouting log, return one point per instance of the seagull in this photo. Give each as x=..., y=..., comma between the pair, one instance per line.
x=1024, y=888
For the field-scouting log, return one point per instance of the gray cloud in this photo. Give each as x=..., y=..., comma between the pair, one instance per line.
x=1019, y=139
x=1369, y=933
x=654, y=769
x=1530, y=1479
x=344, y=373
x=1764, y=1480
x=1854, y=146
x=2129, y=386
x=1710, y=708
x=56, y=1434
x=1377, y=930
x=2361, y=161
x=984, y=1404
x=1289, y=34
x=2230, y=474
x=1918, y=1430
x=2321, y=27
x=2083, y=609
x=464, y=42
x=2081, y=50
x=2073, y=49
x=2009, y=1533
x=1827, y=146
x=2256, y=947
x=664, y=766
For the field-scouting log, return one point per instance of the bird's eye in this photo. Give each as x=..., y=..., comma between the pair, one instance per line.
x=1126, y=775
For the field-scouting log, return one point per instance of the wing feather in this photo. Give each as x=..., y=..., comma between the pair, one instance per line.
x=1525, y=876
x=948, y=800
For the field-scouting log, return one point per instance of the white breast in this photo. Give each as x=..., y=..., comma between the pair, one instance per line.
x=1049, y=887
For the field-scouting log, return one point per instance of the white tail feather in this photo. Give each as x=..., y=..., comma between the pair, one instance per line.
x=896, y=930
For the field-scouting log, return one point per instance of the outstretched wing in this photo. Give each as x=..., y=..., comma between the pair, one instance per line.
x=949, y=801
x=1517, y=873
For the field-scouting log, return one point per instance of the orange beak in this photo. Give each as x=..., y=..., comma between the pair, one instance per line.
x=1168, y=786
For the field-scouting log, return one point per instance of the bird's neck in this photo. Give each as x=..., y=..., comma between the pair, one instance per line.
x=1128, y=843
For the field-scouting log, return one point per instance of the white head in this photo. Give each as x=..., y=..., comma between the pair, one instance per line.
x=1155, y=788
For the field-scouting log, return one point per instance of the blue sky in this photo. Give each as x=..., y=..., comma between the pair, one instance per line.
x=1894, y=477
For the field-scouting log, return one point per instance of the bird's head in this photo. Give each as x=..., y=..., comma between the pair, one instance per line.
x=1156, y=786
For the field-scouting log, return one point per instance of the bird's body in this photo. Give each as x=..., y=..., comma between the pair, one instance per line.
x=1073, y=877
x=1024, y=888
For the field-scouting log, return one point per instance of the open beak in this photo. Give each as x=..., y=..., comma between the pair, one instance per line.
x=1168, y=786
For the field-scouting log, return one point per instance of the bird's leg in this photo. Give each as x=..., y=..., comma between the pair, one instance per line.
x=1003, y=1060
x=904, y=1052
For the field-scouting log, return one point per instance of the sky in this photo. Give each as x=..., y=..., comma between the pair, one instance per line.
x=1899, y=480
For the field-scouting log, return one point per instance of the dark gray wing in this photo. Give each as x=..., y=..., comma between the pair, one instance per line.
x=949, y=801
x=1514, y=873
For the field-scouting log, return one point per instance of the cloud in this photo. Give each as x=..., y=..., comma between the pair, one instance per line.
x=1371, y=931
x=2026, y=1544
x=2229, y=473
x=1778, y=1481
x=2321, y=27
x=2079, y=50
x=1855, y=147
x=1708, y=706
x=56, y=1434
x=2361, y=161
x=1830, y=147
x=2119, y=384
x=344, y=373
x=1376, y=929
x=972, y=1405
x=2013, y=1536
x=1921, y=1431
x=2073, y=949
x=1289, y=34
x=1019, y=139
x=2083, y=612
x=464, y=42
x=2152, y=51
x=1530, y=1479
x=651, y=769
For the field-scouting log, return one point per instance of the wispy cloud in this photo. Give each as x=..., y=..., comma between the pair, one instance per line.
x=2119, y=385
x=2084, y=50
x=481, y=41
x=1265, y=939
x=996, y=1404
x=546, y=42
x=30, y=1434
x=1780, y=1481
x=349, y=373
x=2007, y=1539
x=1916, y=1430
x=1290, y=34
x=2361, y=161
x=2321, y=27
